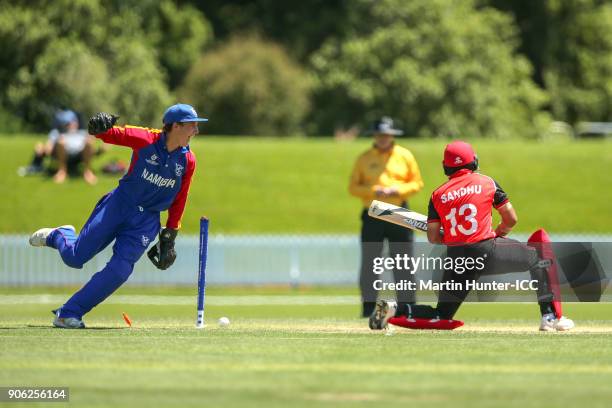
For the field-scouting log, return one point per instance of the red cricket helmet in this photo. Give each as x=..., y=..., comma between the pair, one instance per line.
x=459, y=154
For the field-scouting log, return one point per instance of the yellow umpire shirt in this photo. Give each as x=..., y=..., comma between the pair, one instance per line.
x=394, y=168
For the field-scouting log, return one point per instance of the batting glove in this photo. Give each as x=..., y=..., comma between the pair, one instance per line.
x=101, y=122
x=162, y=254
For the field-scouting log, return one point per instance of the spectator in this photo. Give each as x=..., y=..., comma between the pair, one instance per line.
x=69, y=145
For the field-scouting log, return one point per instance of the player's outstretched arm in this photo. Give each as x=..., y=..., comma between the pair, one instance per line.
x=102, y=126
x=508, y=219
x=101, y=122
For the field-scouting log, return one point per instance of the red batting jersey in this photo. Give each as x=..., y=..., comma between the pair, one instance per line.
x=463, y=206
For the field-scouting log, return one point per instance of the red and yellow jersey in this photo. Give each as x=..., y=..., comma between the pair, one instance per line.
x=463, y=206
x=157, y=179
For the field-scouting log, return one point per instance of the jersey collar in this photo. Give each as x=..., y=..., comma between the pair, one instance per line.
x=460, y=173
x=162, y=140
x=377, y=150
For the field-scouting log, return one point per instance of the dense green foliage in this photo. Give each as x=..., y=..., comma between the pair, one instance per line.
x=569, y=43
x=413, y=61
x=579, y=70
x=248, y=86
x=300, y=186
x=487, y=68
x=301, y=355
x=91, y=56
x=300, y=26
x=179, y=35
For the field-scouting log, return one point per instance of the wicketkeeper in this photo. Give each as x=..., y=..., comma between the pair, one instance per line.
x=158, y=179
x=459, y=217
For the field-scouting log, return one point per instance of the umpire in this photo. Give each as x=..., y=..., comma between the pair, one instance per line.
x=389, y=173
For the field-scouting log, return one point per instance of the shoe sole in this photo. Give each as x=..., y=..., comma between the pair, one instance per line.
x=61, y=325
x=57, y=326
x=556, y=328
x=35, y=241
x=565, y=328
x=377, y=319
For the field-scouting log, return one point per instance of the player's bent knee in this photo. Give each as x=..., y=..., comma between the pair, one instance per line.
x=73, y=258
x=121, y=267
x=73, y=262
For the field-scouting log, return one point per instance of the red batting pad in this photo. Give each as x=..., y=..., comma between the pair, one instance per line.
x=426, y=324
x=541, y=242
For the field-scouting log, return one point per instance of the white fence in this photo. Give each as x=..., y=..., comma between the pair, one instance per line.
x=274, y=259
x=295, y=260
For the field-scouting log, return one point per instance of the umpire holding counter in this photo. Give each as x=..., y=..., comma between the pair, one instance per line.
x=386, y=172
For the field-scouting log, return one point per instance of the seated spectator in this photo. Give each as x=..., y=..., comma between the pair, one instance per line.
x=69, y=145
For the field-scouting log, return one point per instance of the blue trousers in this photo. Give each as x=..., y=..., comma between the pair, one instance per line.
x=132, y=228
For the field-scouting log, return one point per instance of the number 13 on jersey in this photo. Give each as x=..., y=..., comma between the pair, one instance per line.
x=467, y=214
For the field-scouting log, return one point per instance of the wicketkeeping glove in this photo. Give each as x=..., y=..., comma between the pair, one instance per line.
x=101, y=122
x=162, y=254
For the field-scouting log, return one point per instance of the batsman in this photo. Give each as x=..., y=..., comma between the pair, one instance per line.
x=158, y=179
x=460, y=217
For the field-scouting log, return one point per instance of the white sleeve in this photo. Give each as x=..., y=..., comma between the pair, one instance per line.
x=54, y=135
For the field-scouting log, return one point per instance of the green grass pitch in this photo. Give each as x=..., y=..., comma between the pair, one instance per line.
x=299, y=348
x=300, y=186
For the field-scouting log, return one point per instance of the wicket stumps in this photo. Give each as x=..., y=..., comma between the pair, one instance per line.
x=202, y=271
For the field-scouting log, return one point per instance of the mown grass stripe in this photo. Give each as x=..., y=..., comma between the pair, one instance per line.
x=251, y=300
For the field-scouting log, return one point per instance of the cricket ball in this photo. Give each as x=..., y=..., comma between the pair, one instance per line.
x=224, y=321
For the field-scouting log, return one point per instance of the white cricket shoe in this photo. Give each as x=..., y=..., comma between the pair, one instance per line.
x=550, y=323
x=66, y=322
x=564, y=324
x=39, y=238
x=383, y=311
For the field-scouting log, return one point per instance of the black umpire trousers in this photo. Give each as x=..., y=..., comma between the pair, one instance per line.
x=502, y=255
x=373, y=234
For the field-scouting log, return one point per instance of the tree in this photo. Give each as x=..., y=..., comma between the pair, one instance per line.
x=578, y=68
x=67, y=75
x=142, y=92
x=179, y=35
x=248, y=86
x=90, y=55
x=442, y=67
x=299, y=26
x=569, y=43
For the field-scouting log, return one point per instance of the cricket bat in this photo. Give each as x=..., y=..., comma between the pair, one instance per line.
x=398, y=215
